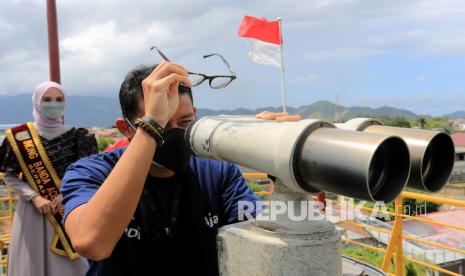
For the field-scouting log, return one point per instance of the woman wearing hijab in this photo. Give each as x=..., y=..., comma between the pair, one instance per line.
x=34, y=157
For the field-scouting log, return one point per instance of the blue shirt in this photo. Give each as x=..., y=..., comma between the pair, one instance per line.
x=211, y=191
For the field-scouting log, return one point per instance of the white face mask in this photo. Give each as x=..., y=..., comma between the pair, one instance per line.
x=53, y=110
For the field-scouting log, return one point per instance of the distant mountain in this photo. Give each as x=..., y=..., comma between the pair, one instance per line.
x=321, y=110
x=202, y=112
x=456, y=115
x=90, y=111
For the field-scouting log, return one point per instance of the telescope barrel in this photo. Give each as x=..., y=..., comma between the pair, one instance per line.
x=261, y=145
x=371, y=167
x=432, y=153
x=309, y=155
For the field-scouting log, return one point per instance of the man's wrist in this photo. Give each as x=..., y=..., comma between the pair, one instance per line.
x=161, y=122
x=152, y=128
x=144, y=134
x=159, y=128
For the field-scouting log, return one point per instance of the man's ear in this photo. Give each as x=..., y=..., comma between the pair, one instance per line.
x=124, y=128
x=195, y=111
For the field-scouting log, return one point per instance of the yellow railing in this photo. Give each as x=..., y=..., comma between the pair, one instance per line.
x=397, y=236
x=395, y=244
x=258, y=175
x=394, y=248
x=6, y=221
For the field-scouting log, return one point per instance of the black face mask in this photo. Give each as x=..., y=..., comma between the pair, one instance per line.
x=174, y=154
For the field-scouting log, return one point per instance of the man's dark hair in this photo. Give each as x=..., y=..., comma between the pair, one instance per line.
x=131, y=90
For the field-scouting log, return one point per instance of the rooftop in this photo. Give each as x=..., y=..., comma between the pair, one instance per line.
x=459, y=139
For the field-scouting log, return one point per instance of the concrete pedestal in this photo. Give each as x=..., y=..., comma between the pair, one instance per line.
x=247, y=249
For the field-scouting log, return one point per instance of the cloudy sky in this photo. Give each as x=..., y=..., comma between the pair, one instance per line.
x=408, y=54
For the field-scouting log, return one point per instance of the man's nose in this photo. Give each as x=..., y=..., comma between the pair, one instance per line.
x=171, y=125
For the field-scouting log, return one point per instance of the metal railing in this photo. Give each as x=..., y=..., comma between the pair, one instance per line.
x=7, y=200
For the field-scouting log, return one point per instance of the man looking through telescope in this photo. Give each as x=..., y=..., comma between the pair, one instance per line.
x=152, y=206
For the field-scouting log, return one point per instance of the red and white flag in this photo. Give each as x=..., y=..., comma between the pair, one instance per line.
x=266, y=48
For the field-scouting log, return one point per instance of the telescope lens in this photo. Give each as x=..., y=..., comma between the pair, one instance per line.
x=389, y=169
x=427, y=163
x=378, y=170
x=437, y=163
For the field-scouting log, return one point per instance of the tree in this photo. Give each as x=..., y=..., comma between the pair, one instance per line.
x=104, y=142
x=421, y=122
x=395, y=122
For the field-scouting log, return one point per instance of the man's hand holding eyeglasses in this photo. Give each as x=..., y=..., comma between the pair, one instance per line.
x=215, y=82
x=160, y=88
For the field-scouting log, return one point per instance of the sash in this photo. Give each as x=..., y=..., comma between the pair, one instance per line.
x=42, y=177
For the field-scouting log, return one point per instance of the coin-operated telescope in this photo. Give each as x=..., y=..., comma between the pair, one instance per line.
x=309, y=155
x=431, y=152
x=305, y=156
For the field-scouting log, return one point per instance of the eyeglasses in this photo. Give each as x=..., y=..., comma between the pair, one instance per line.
x=215, y=81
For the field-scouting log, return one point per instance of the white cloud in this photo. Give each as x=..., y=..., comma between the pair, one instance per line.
x=102, y=40
x=98, y=43
x=360, y=29
x=342, y=54
x=24, y=71
x=312, y=78
x=6, y=30
x=436, y=102
x=421, y=79
x=97, y=55
x=28, y=2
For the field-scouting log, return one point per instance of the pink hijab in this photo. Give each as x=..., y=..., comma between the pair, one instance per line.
x=37, y=95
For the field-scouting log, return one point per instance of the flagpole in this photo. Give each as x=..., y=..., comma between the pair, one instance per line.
x=53, y=49
x=283, y=92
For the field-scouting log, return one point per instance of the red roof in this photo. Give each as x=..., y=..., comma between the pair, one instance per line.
x=459, y=139
x=445, y=235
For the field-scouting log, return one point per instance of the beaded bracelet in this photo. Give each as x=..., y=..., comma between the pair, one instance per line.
x=154, y=123
x=151, y=130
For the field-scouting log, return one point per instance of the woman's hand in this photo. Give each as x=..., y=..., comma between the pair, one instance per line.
x=56, y=204
x=43, y=205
